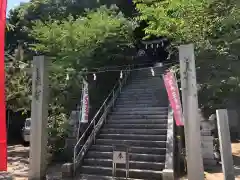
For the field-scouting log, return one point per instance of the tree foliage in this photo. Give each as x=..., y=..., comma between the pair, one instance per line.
x=24, y=16
x=213, y=27
x=95, y=38
x=88, y=41
x=195, y=21
x=78, y=41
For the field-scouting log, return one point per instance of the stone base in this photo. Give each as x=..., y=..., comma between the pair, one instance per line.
x=67, y=170
x=168, y=174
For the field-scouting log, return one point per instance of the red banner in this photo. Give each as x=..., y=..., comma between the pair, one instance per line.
x=85, y=103
x=3, y=136
x=173, y=96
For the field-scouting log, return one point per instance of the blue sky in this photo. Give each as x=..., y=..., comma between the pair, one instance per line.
x=13, y=3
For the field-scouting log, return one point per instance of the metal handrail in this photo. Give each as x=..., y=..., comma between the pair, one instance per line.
x=79, y=151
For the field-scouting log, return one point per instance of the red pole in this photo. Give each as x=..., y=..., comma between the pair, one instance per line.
x=3, y=133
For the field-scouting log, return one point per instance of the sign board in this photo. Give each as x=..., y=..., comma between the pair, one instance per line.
x=119, y=157
x=174, y=97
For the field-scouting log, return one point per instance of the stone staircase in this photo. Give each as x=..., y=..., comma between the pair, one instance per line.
x=139, y=120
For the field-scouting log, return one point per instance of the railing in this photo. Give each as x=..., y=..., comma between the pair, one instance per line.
x=97, y=122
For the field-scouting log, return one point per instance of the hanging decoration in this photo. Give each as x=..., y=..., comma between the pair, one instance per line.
x=121, y=75
x=152, y=71
x=94, y=77
x=122, y=69
x=67, y=77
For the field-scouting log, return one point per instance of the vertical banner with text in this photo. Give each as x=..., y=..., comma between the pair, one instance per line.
x=3, y=131
x=85, y=103
x=173, y=96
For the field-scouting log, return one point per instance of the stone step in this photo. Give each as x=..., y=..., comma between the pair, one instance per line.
x=133, y=173
x=156, y=166
x=98, y=177
x=141, y=90
x=137, y=116
x=138, y=98
x=135, y=103
x=132, y=156
x=150, y=79
x=139, y=112
x=147, y=83
x=142, y=101
x=133, y=137
x=143, y=95
x=122, y=105
x=143, y=74
x=135, y=131
x=138, y=121
x=133, y=149
x=144, y=86
x=136, y=126
x=144, y=108
x=147, y=76
x=140, y=143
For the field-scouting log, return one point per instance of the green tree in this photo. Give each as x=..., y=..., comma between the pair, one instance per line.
x=213, y=26
x=97, y=38
x=24, y=16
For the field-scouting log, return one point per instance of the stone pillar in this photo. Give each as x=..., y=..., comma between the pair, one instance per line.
x=225, y=144
x=39, y=116
x=190, y=112
x=207, y=142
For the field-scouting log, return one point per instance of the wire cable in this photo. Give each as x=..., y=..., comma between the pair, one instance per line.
x=134, y=69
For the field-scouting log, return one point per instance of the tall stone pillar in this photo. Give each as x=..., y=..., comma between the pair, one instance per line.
x=39, y=116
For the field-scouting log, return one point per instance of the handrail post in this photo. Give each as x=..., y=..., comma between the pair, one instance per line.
x=105, y=115
x=94, y=132
x=120, y=85
x=74, y=160
x=113, y=98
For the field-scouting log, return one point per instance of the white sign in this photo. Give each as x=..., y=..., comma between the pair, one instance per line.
x=119, y=157
x=85, y=103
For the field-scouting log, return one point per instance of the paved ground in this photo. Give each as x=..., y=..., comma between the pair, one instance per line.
x=18, y=165
x=18, y=161
x=216, y=172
